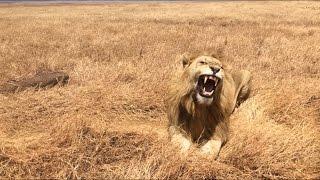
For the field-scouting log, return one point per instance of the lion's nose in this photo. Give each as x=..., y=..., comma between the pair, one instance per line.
x=215, y=70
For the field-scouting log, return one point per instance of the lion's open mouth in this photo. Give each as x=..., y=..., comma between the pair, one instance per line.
x=206, y=85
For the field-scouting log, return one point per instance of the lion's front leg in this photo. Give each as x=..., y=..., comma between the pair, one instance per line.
x=212, y=148
x=177, y=138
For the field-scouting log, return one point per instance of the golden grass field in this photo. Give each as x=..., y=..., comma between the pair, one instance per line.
x=110, y=120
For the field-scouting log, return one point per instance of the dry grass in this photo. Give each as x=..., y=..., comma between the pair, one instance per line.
x=109, y=122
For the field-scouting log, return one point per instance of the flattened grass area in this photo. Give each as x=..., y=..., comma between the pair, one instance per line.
x=110, y=121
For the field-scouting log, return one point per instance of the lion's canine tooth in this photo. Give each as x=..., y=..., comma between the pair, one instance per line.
x=216, y=82
x=205, y=79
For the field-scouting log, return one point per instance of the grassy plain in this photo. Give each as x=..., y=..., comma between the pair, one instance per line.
x=110, y=121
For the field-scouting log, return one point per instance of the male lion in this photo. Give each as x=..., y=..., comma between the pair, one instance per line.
x=200, y=100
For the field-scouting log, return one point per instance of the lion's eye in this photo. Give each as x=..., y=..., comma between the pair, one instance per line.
x=202, y=62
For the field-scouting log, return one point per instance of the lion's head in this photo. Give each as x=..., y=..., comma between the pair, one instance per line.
x=205, y=76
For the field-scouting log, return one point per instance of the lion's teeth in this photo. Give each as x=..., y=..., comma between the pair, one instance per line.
x=205, y=79
x=216, y=83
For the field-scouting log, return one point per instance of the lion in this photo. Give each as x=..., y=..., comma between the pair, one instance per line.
x=200, y=101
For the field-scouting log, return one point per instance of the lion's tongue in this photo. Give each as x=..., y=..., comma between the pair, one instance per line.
x=208, y=87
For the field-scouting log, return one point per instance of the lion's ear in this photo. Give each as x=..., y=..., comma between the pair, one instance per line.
x=185, y=60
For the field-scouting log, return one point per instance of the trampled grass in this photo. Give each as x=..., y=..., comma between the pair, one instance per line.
x=110, y=121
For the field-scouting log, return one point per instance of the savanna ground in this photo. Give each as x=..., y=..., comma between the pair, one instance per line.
x=110, y=120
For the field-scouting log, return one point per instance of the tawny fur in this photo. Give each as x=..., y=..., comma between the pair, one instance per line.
x=205, y=125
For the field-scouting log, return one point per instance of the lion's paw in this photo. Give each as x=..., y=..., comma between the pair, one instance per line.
x=183, y=143
x=211, y=148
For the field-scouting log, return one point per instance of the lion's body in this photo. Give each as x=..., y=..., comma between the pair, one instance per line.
x=200, y=123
